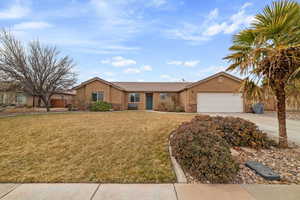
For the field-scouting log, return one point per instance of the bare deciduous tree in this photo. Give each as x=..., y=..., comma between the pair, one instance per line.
x=40, y=70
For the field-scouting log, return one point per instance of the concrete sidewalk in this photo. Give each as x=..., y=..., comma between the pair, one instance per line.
x=147, y=192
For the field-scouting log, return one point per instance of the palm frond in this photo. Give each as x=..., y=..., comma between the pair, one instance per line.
x=252, y=91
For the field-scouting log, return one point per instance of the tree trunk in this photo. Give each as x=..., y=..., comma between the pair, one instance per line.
x=33, y=101
x=46, y=102
x=281, y=115
x=47, y=107
x=39, y=102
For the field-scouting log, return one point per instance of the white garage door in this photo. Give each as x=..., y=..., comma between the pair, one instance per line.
x=219, y=102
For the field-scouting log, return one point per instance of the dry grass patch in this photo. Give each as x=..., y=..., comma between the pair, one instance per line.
x=119, y=147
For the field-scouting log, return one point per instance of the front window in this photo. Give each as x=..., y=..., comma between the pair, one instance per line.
x=97, y=96
x=20, y=99
x=163, y=96
x=134, y=97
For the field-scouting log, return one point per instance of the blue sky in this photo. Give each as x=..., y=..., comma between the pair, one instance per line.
x=134, y=40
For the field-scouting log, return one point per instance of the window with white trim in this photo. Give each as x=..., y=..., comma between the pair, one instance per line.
x=134, y=97
x=163, y=96
x=97, y=96
x=20, y=99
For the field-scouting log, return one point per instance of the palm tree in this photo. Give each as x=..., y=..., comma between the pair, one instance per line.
x=270, y=50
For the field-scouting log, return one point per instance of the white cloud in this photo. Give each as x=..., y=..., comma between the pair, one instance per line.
x=247, y=4
x=138, y=70
x=119, y=19
x=111, y=25
x=158, y=3
x=174, y=62
x=147, y=68
x=234, y=23
x=215, y=29
x=188, y=32
x=95, y=47
x=31, y=25
x=132, y=71
x=196, y=33
x=211, y=70
x=119, y=61
x=17, y=10
x=167, y=77
x=191, y=63
x=141, y=80
x=213, y=14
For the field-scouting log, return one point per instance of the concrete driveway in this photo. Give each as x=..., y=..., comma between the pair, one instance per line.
x=269, y=124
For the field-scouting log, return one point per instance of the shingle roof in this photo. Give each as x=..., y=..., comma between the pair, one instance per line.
x=152, y=86
x=97, y=79
x=214, y=76
x=155, y=86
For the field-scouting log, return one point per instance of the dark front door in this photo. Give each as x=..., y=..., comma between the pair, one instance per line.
x=149, y=101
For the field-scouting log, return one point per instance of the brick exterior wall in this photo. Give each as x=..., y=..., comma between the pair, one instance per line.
x=183, y=100
x=111, y=95
x=157, y=101
x=141, y=105
x=218, y=84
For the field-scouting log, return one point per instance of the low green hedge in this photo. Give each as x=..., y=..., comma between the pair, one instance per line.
x=100, y=106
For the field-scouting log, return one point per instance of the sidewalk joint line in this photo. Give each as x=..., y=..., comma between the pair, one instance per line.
x=94, y=193
x=11, y=190
x=247, y=191
x=175, y=191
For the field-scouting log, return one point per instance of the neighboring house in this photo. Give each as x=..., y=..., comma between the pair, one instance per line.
x=217, y=93
x=11, y=94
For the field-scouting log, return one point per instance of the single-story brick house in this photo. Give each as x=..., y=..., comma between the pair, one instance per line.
x=216, y=93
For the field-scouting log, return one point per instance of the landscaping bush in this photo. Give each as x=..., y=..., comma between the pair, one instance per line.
x=169, y=107
x=238, y=132
x=71, y=107
x=162, y=107
x=179, y=109
x=202, y=153
x=202, y=146
x=100, y=106
x=29, y=106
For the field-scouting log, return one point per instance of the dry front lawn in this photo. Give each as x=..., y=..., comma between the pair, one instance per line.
x=115, y=147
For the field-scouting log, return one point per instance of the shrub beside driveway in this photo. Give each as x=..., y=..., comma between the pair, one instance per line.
x=116, y=147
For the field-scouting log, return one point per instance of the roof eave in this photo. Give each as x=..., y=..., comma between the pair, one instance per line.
x=214, y=76
x=97, y=79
